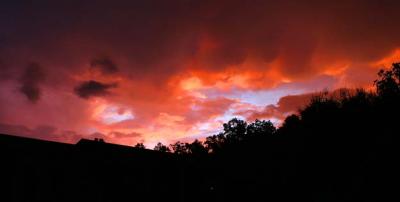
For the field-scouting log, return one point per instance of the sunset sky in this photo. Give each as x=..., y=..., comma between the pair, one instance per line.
x=150, y=71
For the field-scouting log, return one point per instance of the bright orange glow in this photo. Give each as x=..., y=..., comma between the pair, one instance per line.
x=192, y=83
x=387, y=61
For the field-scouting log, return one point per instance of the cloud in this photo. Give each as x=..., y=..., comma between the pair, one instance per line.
x=117, y=137
x=14, y=129
x=3, y=73
x=30, y=81
x=291, y=104
x=104, y=64
x=286, y=105
x=43, y=132
x=181, y=61
x=92, y=88
x=46, y=132
x=291, y=40
x=202, y=110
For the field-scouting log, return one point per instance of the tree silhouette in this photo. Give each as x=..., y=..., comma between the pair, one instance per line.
x=140, y=146
x=179, y=148
x=388, y=83
x=197, y=148
x=215, y=143
x=162, y=148
x=234, y=130
x=259, y=128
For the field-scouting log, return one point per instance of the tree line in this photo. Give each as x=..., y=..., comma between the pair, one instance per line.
x=342, y=146
x=343, y=104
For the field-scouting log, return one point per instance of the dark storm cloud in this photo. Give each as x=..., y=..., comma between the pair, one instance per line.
x=92, y=88
x=4, y=72
x=30, y=82
x=159, y=38
x=104, y=64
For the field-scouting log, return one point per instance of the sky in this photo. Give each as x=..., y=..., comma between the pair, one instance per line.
x=165, y=71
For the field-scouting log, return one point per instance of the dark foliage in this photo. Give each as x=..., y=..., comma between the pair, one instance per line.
x=162, y=148
x=140, y=146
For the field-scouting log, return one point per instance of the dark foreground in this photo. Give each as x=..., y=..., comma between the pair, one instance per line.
x=35, y=170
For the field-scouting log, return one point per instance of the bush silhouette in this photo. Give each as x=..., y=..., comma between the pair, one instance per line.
x=162, y=148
